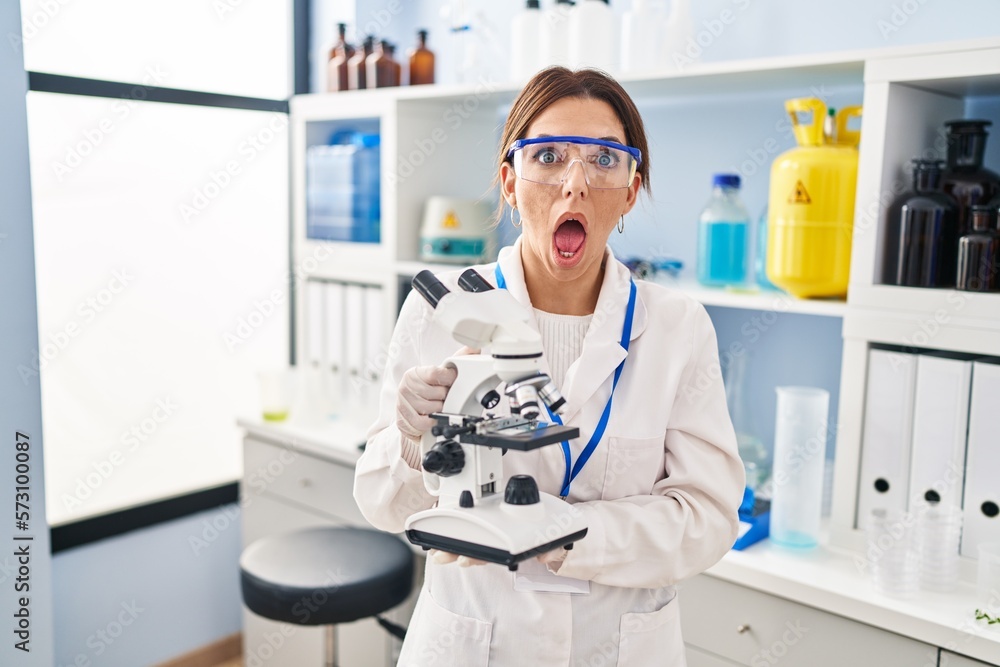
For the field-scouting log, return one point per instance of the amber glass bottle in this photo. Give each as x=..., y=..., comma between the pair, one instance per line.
x=421, y=61
x=965, y=179
x=356, y=68
x=337, y=66
x=383, y=70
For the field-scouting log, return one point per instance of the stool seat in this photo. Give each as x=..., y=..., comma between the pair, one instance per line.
x=323, y=576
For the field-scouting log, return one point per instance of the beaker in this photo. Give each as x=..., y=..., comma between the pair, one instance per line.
x=799, y=453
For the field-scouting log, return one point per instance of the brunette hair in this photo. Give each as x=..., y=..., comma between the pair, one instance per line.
x=557, y=83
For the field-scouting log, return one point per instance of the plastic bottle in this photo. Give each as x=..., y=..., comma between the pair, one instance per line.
x=593, y=36
x=356, y=67
x=337, y=65
x=722, y=234
x=555, y=42
x=642, y=26
x=526, y=35
x=679, y=46
x=421, y=61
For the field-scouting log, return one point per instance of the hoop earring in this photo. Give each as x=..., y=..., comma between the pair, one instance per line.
x=621, y=224
x=518, y=223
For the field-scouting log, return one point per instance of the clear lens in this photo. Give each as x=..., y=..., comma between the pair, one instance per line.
x=549, y=163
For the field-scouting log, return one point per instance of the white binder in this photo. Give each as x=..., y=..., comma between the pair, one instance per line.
x=940, y=420
x=982, y=478
x=885, y=439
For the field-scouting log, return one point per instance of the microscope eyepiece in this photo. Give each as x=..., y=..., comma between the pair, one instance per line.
x=471, y=281
x=429, y=287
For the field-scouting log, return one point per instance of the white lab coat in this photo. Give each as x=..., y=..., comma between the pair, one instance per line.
x=659, y=493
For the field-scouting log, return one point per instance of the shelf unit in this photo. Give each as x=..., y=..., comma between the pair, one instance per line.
x=907, y=99
x=442, y=140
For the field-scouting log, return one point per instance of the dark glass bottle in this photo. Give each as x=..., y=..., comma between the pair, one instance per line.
x=965, y=179
x=421, y=61
x=356, y=68
x=337, y=66
x=928, y=238
x=979, y=253
x=383, y=70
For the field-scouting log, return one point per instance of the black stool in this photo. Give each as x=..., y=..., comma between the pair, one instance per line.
x=325, y=576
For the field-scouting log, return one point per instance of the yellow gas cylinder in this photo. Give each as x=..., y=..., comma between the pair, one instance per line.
x=811, y=204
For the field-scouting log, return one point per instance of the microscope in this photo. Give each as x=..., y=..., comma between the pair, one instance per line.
x=476, y=514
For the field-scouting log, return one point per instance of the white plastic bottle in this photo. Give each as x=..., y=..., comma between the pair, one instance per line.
x=679, y=48
x=526, y=32
x=593, y=36
x=642, y=27
x=555, y=46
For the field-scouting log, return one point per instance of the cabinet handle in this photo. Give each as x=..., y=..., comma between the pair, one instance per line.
x=305, y=483
x=742, y=629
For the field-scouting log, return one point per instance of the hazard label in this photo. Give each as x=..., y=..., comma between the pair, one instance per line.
x=450, y=221
x=799, y=195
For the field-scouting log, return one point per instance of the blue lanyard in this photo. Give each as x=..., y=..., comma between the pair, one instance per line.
x=572, y=470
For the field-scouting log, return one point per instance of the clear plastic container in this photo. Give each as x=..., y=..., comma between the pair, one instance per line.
x=342, y=190
x=939, y=535
x=722, y=235
x=892, y=554
x=988, y=581
x=800, y=435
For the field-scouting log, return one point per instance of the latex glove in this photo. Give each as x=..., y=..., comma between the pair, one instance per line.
x=421, y=392
x=553, y=559
x=445, y=557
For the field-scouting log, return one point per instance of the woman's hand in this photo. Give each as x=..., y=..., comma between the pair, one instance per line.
x=445, y=557
x=421, y=392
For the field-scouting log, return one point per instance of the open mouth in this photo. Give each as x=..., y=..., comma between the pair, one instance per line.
x=569, y=238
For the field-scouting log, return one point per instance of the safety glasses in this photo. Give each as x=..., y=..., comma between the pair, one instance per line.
x=547, y=160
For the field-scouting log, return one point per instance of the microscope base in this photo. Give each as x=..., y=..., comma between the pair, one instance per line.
x=496, y=532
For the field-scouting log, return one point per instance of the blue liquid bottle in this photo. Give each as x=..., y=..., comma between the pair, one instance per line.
x=722, y=235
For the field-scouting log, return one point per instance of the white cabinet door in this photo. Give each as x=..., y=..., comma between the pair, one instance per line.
x=753, y=628
x=699, y=658
x=949, y=659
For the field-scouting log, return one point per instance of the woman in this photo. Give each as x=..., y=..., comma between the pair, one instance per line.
x=661, y=488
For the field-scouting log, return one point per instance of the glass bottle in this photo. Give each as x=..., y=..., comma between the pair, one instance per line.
x=722, y=234
x=337, y=65
x=928, y=234
x=421, y=61
x=760, y=256
x=356, y=69
x=383, y=70
x=965, y=178
x=752, y=450
x=979, y=253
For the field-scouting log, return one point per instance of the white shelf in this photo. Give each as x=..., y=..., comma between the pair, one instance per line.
x=754, y=298
x=836, y=581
